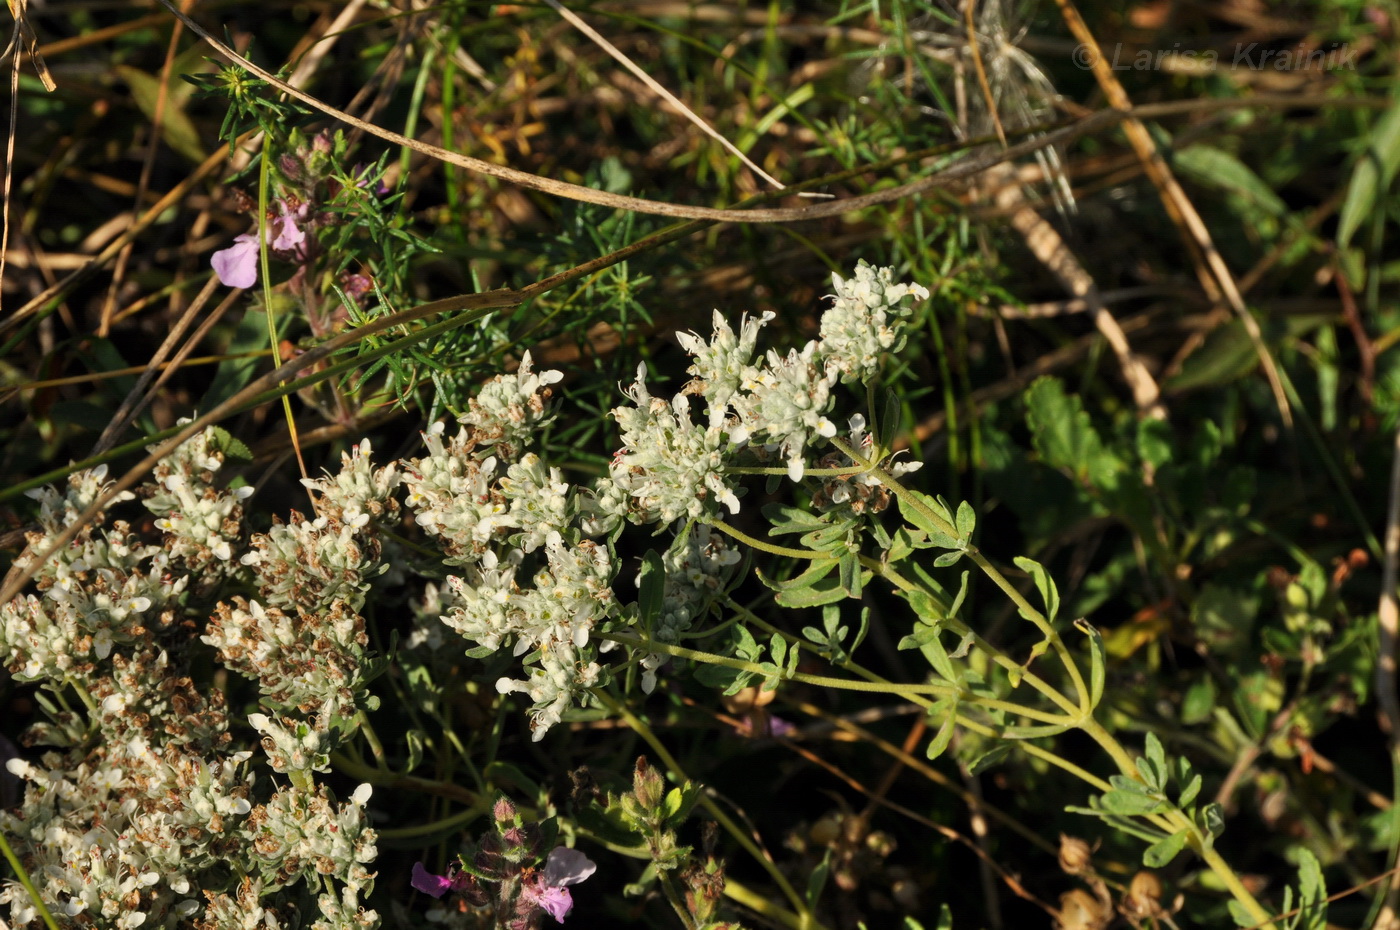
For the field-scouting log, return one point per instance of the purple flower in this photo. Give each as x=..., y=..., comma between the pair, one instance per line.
x=564, y=867
x=436, y=885
x=289, y=236
x=237, y=265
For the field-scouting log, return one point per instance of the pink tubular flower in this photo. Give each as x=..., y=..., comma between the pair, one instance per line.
x=237, y=265
x=436, y=885
x=564, y=867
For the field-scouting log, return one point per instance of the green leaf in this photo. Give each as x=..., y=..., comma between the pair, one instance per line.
x=786, y=519
x=1213, y=819
x=1242, y=917
x=1372, y=174
x=672, y=804
x=850, y=574
x=958, y=600
x=966, y=522
x=939, y=744
x=1164, y=850
x=651, y=588
x=1199, y=702
x=1129, y=804
x=991, y=757
x=1065, y=437
x=1217, y=168
x=916, y=517
x=1155, y=771
x=947, y=558
x=816, y=881
x=827, y=591
x=1154, y=442
x=1312, y=897
x=1044, y=583
x=176, y=127
x=1097, y=661
x=819, y=569
x=1189, y=793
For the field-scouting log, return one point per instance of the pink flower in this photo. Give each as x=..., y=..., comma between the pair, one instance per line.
x=564, y=867
x=289, y=236
x=436, y=885
x=237, y=265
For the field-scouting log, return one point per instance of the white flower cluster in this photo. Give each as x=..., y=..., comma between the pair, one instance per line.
x=202, y=523
x=143, y=818
x=496, y=507
x=124, y=837
x=315, y=663
x=864, y=322
x=670, y=467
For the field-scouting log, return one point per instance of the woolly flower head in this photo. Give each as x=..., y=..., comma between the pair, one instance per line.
x=510, y=408
x=669, y=466
x=719, y=364
x=866, y=320
x=784, y=405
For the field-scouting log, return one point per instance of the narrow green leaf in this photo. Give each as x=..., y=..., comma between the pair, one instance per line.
x=1242, y=917
x=1372, y=174
x=1127, y=804
x=947, y=558
x=1098, y=663
x=939, y=744
x=958, y=600
x=651, y=588
x=1044, y=583
x=816, y=881
x=1164, y=850
x=991, y=757
x=1189, y=793
x=849, y=564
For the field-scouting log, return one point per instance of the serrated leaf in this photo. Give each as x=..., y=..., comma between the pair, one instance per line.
x=1049, y=594
x=1312, y=892
x=651, y=588
x=1065, y=437
x=1164, y=850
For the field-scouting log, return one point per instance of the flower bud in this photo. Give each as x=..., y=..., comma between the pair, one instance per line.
x=647, y=785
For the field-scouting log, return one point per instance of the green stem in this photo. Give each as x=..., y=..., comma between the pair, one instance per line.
x=375, y=746
x=893, y=575
x=459, y=819
x=24, y=880
x=909, y=499
x=804, y=918
x=748, y=540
